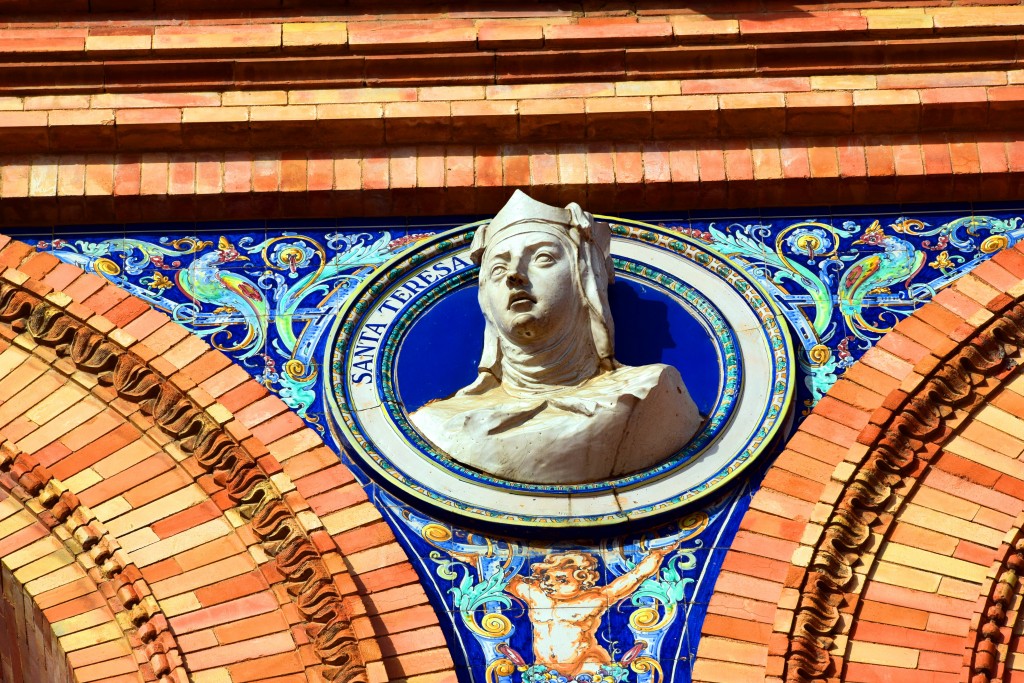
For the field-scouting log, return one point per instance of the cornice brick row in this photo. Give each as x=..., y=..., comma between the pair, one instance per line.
x=461, y=179
x=523, y=28
x=342, y=52
x=413, y=9
x=634, y=111
x=185, y=72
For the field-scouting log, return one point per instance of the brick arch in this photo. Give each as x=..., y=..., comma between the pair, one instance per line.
x=885, y=540
x=221, y=534
x=29, y=651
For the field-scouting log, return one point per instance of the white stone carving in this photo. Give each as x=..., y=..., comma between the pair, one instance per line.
x=550, y=404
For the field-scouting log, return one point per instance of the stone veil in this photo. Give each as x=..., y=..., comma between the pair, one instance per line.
x=550, y=404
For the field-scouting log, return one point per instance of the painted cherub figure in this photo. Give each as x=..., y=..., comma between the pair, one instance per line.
x=566, y=606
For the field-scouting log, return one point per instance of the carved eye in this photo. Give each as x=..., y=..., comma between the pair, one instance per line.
x=544, y=259
x=498, y=271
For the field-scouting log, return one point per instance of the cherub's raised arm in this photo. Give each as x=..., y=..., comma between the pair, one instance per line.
x=523, y=589
x=623, y=585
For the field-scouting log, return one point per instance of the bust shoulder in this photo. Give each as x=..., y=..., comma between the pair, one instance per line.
x=638, y=377
x=641, y=382
x=663, y=418
x=628, y=419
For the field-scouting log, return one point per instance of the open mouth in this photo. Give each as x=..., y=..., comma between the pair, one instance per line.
x=519, y=297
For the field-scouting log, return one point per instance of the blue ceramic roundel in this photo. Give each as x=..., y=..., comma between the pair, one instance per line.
x=414, y=331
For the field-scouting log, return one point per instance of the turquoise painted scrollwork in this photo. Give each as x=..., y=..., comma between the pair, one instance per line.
x=842, y=288
x=268, y=301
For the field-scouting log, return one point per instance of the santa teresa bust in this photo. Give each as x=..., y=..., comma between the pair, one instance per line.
x=550, y=404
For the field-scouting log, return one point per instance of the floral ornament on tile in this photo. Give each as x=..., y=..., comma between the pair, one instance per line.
x=944, y=262
x=561, y=597
x=266, y=303
x=843, y=288
x=157, y=281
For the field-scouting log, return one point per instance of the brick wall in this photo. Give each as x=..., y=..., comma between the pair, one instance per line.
x=884, y=541
x=167, y=519
x=419, y=111
x=160, y=110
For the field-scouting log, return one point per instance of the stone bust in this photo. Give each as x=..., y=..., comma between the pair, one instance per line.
x=550, y=404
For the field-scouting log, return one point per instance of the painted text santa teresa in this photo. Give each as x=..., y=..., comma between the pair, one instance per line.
x=367, y=344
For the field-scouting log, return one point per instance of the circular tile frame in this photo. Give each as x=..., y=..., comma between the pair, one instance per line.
x=373, y=424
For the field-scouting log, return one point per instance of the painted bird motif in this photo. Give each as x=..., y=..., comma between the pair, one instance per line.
x=898, y=263
x=236, y=300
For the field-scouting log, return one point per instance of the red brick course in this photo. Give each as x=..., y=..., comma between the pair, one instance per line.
x=482, y=46
x=607, y=110
x=195, y=116
x=603, y=176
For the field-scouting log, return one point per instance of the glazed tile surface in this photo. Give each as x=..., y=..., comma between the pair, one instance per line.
x=268, y=295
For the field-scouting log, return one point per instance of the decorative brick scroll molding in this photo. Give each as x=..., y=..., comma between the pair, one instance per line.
x=905, y=433
x=239, y=610
x=198, y=433
x=843, y=566
x=125, y=589
x=994, y=619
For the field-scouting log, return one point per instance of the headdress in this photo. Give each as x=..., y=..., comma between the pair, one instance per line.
x=591, y=240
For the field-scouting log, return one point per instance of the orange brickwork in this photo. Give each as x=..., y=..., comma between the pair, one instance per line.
x=439, y=179
x=421, y=111
x=167, y=519
x=884, y=541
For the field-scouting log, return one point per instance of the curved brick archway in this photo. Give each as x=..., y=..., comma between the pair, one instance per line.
x=885, y=540
x=169, y=518
x=30, y=649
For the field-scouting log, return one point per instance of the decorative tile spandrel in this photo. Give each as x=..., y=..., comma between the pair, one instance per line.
x=269, y=296
x=265, y=301
x=842, y=282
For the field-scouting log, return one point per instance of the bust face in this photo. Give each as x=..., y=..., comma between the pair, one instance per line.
x=527, y=287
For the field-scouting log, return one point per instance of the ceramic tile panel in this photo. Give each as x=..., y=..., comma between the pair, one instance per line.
x=269, y=295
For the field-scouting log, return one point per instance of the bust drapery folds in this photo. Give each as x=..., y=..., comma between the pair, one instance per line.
x=550, y=404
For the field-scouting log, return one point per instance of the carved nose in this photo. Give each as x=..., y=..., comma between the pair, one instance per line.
x=515, y=279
